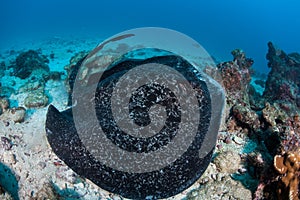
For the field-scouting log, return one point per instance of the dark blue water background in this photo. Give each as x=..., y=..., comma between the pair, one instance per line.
x=219, y=25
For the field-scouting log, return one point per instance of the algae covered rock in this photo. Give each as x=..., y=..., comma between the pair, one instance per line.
x=228, y=162
x=15, y=114
x=36, y=99
x=226, y=188
x=4, y=104
x=283, y=83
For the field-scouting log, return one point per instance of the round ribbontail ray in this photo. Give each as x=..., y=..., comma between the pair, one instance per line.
x=142, y=127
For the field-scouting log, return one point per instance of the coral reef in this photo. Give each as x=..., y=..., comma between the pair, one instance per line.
x=281, y=134
x=281, y=179
x=236, y=77
x=270, y=120
x=29, y=61
x=282, y=85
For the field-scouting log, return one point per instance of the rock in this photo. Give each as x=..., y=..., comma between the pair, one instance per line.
x=52, y=56
x=298, y=101
x=36, y=99
x=116, y=197
x=255, y=98
x=17, y=114
x=4, y=103
x=228, y=162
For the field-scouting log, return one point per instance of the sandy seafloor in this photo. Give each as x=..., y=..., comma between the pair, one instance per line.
x=34, y=167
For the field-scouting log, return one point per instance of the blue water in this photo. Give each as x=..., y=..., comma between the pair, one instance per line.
x=220, y=26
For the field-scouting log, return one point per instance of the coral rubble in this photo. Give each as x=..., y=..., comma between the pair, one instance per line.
x=270, y=120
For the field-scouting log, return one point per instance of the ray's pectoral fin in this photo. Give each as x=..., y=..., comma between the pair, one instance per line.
x=64, y=140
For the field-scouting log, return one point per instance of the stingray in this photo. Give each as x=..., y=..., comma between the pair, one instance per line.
x=168, y=181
